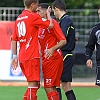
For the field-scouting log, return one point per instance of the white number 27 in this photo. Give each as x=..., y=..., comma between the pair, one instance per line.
x=21, y=28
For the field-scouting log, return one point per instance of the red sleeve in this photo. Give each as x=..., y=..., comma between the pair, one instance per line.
x=57, y=31
x=41, y=22
x=14, y=34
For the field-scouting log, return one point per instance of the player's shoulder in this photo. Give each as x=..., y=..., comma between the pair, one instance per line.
x=96, y=27
x=56, y=23
x=66, y=18
x=32, y=14
x=35, y=15
x=54, y=20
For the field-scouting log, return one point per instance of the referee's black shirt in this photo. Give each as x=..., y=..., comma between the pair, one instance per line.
x=68, y=30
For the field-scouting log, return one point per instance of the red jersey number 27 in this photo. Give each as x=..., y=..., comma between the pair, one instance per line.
x=21, y=28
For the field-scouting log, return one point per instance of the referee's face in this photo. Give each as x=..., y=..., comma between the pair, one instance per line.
x=55, y=10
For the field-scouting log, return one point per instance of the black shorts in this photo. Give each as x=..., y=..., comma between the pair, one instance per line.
x=67, y=70
x=98, y=76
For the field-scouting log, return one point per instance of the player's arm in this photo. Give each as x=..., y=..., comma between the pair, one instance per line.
x=14, y=62
x=14, y=47
x=59, y=45
x=90, y=48
x=14, y=38
x=49, y=17
x=49, y=52
x=57, y=32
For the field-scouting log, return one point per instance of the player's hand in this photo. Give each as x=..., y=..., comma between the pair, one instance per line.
x=89, y=63
x=49, y=10
x=14, y=63
x=49, y=53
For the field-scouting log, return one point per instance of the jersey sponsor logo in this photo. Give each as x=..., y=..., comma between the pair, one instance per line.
x=24, y=17
x=43, y=19
x=22, y=40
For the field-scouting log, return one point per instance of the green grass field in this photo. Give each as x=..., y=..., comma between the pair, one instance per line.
x=16, y=93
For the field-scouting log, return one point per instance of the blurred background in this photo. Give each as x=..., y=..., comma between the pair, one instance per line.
x=84, y=15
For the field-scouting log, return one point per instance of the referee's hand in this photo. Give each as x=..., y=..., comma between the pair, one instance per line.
x=89, y=63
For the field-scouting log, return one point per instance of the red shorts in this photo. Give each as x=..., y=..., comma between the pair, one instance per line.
x=52, y=70
x=31, y=69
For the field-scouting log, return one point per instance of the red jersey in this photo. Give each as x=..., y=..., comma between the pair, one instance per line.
x=49, y=38
x=26, y=32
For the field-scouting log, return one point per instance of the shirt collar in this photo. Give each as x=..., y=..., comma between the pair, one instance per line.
x=63, y=16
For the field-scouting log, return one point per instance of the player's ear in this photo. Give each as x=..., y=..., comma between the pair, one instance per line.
x=31, y=6
x=56, y=9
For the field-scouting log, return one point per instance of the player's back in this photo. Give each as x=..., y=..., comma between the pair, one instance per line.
x=27, y=35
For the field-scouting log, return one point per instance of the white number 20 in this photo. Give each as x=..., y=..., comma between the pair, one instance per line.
x=21, y=28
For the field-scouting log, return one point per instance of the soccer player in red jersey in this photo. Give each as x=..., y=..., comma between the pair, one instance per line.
x=51, y=40
x=26, y=33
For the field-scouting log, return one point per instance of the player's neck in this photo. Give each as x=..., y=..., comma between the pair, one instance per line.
x=28, y=9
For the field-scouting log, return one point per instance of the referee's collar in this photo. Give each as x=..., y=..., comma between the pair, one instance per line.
x=63, y=16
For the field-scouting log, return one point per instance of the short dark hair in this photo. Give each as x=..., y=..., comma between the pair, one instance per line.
x=43, y=5
x=60, y=4
x=27, y=3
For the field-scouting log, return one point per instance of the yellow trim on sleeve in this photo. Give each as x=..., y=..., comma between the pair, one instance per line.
x=69, y=28
x=67, y=56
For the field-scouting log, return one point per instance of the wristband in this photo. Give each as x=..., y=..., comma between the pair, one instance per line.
x=14, y=56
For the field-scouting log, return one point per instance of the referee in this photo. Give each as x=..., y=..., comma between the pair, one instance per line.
x=68, y=29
